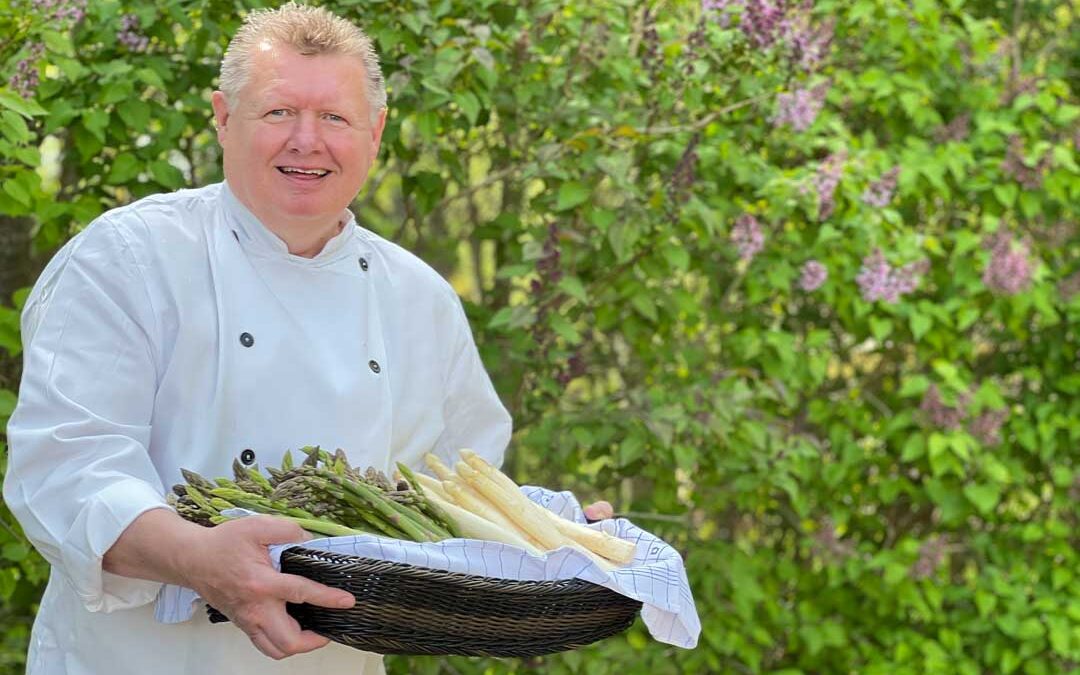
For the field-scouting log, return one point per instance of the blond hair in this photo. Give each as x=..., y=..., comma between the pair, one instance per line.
x=311, y=31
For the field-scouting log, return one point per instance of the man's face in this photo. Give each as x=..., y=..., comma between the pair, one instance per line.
x=299, y=140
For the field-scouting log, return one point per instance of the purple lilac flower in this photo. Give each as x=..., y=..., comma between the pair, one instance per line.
x=747, y=236
x=60, y=10
x=129, y=34
x=1009, y=270
x=986, y=428
x=931, y=555
x=1069, y=286
x=799, y=108
x=957, y=129
x=880, y=193
x=761, y=21
x=1030, y=177
x=938, y=414
x=828, y=543
x=826, y=180
x=25, y=80
x=809, y=43
x=812, y=276
x=878, y=280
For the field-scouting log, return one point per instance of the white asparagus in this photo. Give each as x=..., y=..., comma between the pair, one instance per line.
x=431, y=485
x=522, y=511
x=600, y=543
x=437, y=467
x=473, y=526
x=516, y=506
x=472, y=502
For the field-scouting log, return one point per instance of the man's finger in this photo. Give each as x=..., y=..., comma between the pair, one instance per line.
x=599, y=511
x=287, y=638
x=271, y=530
x=297, y=589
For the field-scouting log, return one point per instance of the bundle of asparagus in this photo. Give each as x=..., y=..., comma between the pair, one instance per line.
x=487, y=504
x=324, y=494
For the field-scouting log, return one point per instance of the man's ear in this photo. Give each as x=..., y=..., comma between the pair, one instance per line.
x=377, y=131
x=221, y=114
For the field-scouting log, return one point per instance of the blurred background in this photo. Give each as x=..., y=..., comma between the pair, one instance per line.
x=793, y=284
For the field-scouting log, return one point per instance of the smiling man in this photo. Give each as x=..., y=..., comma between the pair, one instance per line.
x=232, y=321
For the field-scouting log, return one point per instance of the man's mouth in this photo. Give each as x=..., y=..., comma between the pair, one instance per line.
x=301, y=172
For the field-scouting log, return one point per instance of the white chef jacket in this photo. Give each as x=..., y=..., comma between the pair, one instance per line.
x=177, y=332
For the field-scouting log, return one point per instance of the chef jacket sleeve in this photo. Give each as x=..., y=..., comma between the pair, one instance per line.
x=473, y=415
x=78, y=470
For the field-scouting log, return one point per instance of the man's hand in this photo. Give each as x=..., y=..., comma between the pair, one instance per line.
x=229, y=566
x=233, y=573
x=599, y=511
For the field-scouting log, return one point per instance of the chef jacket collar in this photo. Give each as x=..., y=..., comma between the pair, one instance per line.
x=257, y=239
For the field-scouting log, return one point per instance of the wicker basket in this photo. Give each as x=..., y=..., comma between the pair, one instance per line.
x=403, y=609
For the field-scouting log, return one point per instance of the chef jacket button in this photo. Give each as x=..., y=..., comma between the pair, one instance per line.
x=246, y=339
x=247, y=456
x=363, y=264
x=374, y=365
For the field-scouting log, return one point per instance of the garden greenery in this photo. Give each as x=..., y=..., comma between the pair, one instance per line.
x=793, y=284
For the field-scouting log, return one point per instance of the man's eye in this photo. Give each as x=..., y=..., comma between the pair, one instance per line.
x=334, y=118
x=277, y=113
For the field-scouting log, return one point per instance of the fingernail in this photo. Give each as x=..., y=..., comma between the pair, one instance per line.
x=345, y=603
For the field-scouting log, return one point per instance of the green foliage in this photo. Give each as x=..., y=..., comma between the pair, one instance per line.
x=862, y=483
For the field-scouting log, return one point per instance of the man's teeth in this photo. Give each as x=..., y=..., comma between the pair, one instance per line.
x=307, y=172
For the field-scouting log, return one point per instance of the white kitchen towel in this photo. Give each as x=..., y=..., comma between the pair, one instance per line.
x=656, y=577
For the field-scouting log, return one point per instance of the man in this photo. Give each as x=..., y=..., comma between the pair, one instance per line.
x=232, y=321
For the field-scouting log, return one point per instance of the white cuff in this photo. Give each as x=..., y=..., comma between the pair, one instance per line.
x=102, y=520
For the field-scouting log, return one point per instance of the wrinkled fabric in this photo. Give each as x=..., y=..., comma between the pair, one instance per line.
x=178, y=332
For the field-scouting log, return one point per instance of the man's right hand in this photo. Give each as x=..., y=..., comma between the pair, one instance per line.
x=228, y=565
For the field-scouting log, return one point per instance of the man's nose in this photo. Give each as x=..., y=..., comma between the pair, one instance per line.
x=306, y=136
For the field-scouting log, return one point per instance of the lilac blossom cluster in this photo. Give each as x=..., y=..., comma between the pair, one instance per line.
x=931, y=555
x=828, y=543
x=812, y=276
x=1009, y=270
x=25, y=80
x=1069, y=286
x=549, y=266
x=60, y=10
x=880, y=193
x=809, y=43
x=129, y=34
x=684, y=176
x=984, y=427
x=1030, y=177
x=878, y=280
x=940, y=415
x=651, y=59
x=769, y=22
x=575, y=367
x=747, y=236
x=826, y=180
x=957, y=129
x=799, y=108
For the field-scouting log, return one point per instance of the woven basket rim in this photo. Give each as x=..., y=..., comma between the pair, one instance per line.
x=570, y=585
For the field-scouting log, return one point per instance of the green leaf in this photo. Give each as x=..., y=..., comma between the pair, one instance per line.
x=631, y=449
x=469, y=104
x=13, y=127
x=1006, y=193
x=124, y=168
x=23, y=106
x=914, y=385
x=564, y=328
x=920, y=324
x=573, y=287
x=166, y=174
x=571, y=194
x=136, y=114
x=880, y=328
x=984, y=497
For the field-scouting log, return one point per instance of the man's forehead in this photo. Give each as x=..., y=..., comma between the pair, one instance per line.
x=280, y=71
